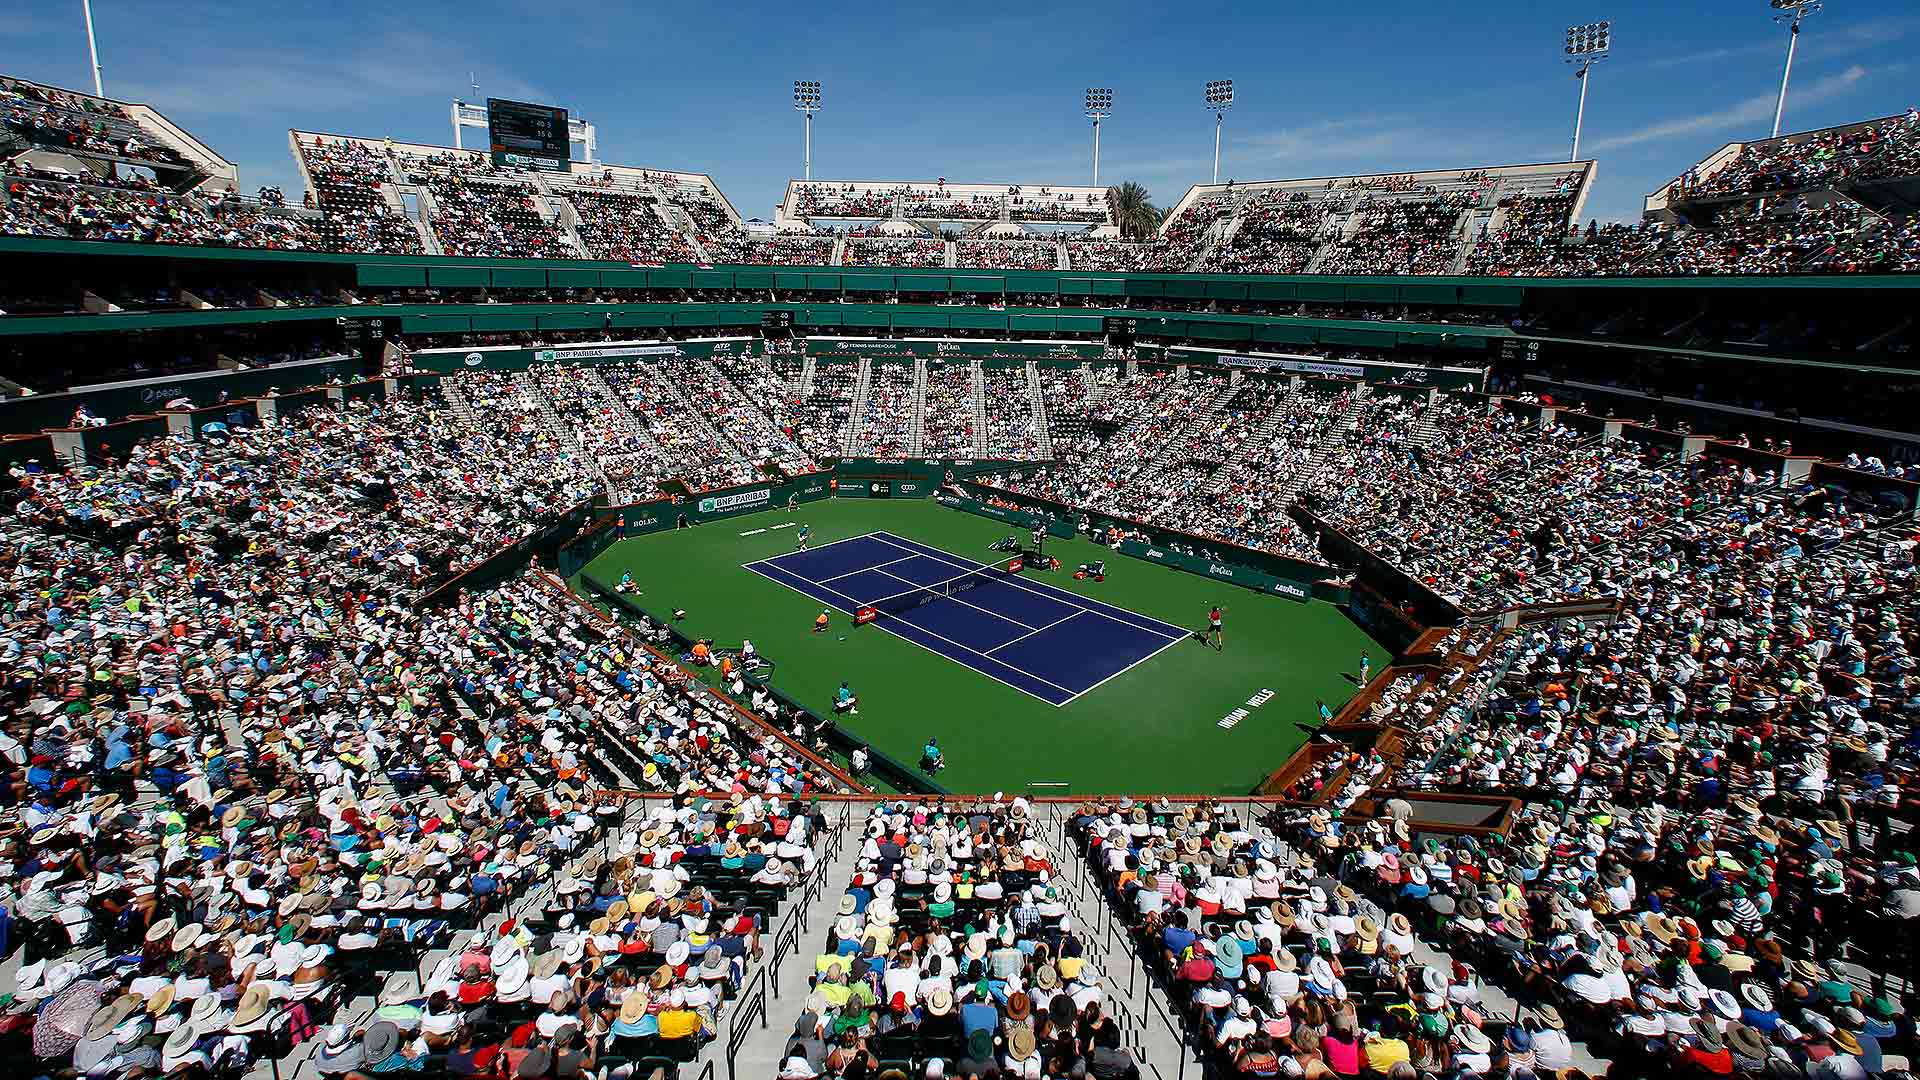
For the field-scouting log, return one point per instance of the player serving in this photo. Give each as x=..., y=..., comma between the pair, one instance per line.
x=1214, y=637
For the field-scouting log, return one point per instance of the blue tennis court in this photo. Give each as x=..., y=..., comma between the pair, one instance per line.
x=1034, y=637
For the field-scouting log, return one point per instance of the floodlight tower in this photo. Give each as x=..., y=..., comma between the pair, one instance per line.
x=1099, y=107
x=806, y=99
x=93, y=50
x=1586, y=46
x=1219, y=100
x=1789, y=12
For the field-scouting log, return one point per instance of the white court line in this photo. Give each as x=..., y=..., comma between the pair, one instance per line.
x=1030, y=633
x=869, y=569
x=828, y=544
x=1058, y=595
x=1126, y=669
x=961, y=660
x=957, y=600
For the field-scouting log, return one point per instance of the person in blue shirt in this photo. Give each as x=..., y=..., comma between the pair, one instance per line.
x=930, y=761
x=1366, y=668
x=805, y=534
x=1326, y=712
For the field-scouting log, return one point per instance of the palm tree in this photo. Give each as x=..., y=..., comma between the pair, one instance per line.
x=1134, y=212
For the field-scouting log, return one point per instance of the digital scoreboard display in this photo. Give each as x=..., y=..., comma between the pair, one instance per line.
x=522, y=134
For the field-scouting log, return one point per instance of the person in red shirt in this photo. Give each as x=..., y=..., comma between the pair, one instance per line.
x=1705, y=1053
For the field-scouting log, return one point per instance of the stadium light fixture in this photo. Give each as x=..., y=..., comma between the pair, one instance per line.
x=1790, y=12
x=806, y=99
x=1587, y=45
x=1219, y=97
x=93, y=50
x=1099, y=107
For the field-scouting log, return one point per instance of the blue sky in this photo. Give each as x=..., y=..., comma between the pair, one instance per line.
x=979, y=92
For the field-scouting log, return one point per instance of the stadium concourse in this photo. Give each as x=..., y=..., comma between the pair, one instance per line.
x=316, y=766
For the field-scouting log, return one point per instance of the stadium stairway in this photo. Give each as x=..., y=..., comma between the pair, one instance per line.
x=839, y=257
x=950, y=254
x=1149, y=1030
x=1060, y=260
x=529, y=391
x=1322, y=450
x=1426, y=429
x=798, y=935
x=805, y=390
x=1037, y=400
x=1258, y=440
x=917, y=424
x=978, y=389
x=857, y=411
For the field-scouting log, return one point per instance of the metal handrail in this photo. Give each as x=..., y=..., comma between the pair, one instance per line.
x=754, y=1004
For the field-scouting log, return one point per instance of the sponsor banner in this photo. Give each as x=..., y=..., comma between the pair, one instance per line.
x=933, y=349
x=1244, y=576
x=736, y=502
x=1296, y=367
x=569, y=356
x=642, y=518
x=1022, y=518
x=449, y=360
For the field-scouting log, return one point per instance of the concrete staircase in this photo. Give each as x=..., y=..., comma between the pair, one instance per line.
x=711, y=372
x=857, y=412
x=562, y=212
x=1427, y=428
x=458, y=405
x=1256, y=441
x=527, y=389
x=979, y=387
x=798, y=934
x=1037, y=400
x=806, y=380
x=917, y=424
x=950, y=256
x=1323, y=450
x=839, y=257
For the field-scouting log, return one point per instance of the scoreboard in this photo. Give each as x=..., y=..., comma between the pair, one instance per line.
x=522, y=134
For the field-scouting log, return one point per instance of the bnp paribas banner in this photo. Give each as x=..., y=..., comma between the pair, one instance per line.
x=932, y=349
x=488, y=359
x=714, y=505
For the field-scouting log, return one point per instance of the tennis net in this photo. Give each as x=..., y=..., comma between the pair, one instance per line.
x=941, y=590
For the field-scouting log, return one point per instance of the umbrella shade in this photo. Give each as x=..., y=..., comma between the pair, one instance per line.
x=64, y=1019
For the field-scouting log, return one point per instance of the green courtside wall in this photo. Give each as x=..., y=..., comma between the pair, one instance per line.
x=638, y=519
x=1257, y=570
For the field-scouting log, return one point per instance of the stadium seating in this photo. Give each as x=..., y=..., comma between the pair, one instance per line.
x=1008, y=254
x=895, y=251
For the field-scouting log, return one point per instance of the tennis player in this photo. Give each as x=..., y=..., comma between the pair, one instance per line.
x=930, y=760
x=1214, y=636
x=1366, y=668
x=805, y=534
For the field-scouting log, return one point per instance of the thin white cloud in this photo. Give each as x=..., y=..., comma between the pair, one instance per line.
x=1753, y=110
